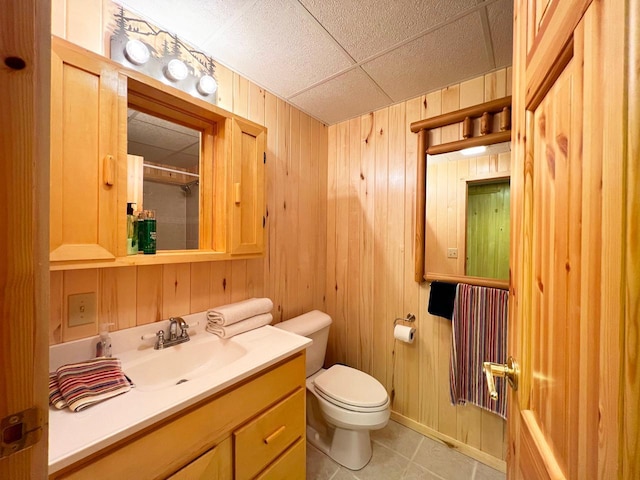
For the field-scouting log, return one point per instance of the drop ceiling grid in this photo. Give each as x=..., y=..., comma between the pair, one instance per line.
x=345, y=96
x=442, y=57
x=277, y=45
x=365, y=28
x=319, y=54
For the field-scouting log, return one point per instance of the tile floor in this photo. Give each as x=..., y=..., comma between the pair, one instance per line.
x=401, y=453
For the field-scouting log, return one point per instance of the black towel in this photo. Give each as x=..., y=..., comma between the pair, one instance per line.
x=441, y=299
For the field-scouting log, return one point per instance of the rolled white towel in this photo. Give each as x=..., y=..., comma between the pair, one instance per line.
x=235, y=312
x=241, y=326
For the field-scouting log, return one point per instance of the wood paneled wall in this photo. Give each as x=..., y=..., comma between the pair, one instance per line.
x=370, y=240
x=292, y=271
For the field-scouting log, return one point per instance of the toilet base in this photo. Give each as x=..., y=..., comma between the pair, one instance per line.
x=350, y=448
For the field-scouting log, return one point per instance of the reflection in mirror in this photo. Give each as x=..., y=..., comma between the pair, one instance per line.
x=487, y=247
x=467, y=213
x=168, y=154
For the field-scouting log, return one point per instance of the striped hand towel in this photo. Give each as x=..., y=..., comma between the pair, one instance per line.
x=86, y=383
x=240, y=327
x=479, y=327
x=236, y=312
x=55, y=397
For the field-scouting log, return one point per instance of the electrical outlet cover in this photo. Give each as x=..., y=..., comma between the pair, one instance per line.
x=452, y=253
x=82, y=309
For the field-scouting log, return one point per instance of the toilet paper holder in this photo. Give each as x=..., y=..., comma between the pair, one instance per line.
x=409, y=318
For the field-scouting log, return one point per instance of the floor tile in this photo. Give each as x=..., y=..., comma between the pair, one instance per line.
x=484, y=472
x=319, y=466
x=344, y=474
x=398, y=438
x=416, y=472
x=444, y=461
x=385, y=464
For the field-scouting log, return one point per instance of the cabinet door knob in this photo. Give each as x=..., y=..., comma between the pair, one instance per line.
x=237, y=193
x=108, y=170
x=274, y=435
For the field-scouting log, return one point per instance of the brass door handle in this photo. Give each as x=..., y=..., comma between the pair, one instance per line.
x=509, y=370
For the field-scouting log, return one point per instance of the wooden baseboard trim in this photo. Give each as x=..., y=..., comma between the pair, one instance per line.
x=469, y=451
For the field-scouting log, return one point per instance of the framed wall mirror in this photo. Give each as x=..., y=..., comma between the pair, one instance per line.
x=467, y=213
x=463, y=196
x=168, y=154
x=174, y=167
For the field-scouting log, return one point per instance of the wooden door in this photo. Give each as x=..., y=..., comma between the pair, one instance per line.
x=247, y=187
x=24, y=266
x=84, y=156
x=567, y=252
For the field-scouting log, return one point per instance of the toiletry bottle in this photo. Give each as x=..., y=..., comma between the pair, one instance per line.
x=103, y=347
x=132, y=230
x=142, y=234
x=150, y=232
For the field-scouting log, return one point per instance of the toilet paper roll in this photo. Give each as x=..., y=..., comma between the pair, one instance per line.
x=404, y=334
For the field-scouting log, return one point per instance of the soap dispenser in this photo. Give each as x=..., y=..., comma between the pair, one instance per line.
x=103, y=347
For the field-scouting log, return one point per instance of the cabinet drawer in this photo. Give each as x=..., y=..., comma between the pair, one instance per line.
x=216, y=464
x=292, y=465
x=259, y=442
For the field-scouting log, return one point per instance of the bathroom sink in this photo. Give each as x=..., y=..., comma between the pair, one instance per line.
x=158, y=369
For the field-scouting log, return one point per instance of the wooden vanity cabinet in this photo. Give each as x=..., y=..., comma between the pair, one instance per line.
x=252, y=430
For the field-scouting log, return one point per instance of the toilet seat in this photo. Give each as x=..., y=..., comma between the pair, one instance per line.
x=351, y=389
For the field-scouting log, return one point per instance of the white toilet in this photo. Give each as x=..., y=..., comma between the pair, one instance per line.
x=343, y=404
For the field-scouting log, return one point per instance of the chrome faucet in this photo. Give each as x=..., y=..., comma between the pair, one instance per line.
x=176, y=336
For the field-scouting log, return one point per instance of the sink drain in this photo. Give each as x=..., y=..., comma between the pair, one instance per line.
x=182, y=381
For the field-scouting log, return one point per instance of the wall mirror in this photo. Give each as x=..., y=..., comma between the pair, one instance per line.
x=173, y=147
x=169, y=156
x=468, y=202
x=462, y=197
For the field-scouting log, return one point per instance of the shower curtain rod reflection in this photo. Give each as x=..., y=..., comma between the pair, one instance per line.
x=171, y=170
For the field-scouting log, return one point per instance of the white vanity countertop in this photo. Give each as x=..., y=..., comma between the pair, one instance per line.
x=73, y=436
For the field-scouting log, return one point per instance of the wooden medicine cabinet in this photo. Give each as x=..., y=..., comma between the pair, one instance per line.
x=96, y=169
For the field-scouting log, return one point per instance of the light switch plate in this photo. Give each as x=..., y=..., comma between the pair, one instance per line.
x=452, y=253
x=82, y=309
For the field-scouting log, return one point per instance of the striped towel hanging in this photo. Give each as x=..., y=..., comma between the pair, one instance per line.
x=479, y=328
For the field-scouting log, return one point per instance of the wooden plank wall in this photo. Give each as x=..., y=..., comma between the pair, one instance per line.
x=292, y=271
x=370, y=232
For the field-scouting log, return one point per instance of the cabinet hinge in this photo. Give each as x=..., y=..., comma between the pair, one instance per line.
x=19, y=431
x=264, y=157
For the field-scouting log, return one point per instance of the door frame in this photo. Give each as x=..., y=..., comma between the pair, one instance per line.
x=25, y=37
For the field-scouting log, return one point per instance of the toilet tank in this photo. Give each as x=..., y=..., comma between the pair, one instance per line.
x=313, y=325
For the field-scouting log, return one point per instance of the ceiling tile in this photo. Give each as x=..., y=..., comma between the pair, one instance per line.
x=365, y=28
x=501, y=25
x=279, y=46
x=343, y=97
x=192, y=20
x=448, y=55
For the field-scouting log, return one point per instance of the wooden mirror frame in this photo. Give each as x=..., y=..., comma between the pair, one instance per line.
x=485, y=112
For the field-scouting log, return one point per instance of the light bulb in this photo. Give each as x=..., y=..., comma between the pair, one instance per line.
x=176, y=70
x=207, y=85
x=136, y=52
x=473, y=151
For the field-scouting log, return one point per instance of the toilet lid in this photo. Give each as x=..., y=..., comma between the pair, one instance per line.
x=350, y=387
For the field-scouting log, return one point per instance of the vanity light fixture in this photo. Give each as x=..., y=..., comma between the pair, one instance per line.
x=473, y=150
x=176, y=70
x=207, y=85
x=136, y=52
